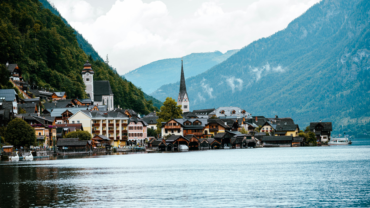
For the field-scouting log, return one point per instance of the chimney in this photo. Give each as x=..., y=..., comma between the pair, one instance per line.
x=276, y=117
x=256, y=119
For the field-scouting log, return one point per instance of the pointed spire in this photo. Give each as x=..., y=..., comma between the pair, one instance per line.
x=182, y=81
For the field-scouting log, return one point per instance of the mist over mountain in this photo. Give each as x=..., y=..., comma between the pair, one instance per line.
x=151, y=76
x=318, y=68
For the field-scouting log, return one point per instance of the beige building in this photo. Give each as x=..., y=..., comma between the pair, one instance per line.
x=110, y=124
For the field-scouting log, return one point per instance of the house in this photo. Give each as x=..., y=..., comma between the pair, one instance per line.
x=193, y=126
x=6, y=112
x=63, y=129
x=99, y=92
x=45, y=128
x=59, y=96
x=74, y=145
x=322, y=130
x=215, y=126
x=29, y=107
x=16, y=79
x=224, y=138
x=151, y=120
x=137, y=130
x=287, y=130
x=267, y=127
x=174, y=141
x=172, y=127
x=101, y=141
x=8, y=148
x=230, y=112
x=277, y=141
x=59, y=104
x=110, y=124
x=10, y=95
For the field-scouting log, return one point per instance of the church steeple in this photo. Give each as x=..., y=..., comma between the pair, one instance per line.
x=183, y=98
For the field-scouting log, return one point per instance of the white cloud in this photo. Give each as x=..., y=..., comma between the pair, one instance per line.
x=234, y=83
x=260, y=71
x=206, y=88
x=135, y=33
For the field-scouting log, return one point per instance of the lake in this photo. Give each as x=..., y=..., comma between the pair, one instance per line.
x=292, y=177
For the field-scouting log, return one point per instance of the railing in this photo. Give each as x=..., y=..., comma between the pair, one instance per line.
x=213, y=129
x=111, y=124
x=96, y=124
x=124, y=131
x=97, y=132
x=172, y=127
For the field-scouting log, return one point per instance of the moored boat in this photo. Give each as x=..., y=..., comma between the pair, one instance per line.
x=339, y=141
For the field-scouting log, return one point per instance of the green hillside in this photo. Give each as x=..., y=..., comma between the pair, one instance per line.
x=47, y=51
x=318, y=68
x=151, y=76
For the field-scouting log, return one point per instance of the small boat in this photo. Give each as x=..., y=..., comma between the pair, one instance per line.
x=183, y=147
x=14, y=158
x=30, y=157
x=339, y=141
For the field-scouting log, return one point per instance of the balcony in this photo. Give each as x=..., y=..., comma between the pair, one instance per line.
x=172, y=127
x=96, y=124
x=111, y=131
x=124, y=124
x=124, y=131
x=97, y=132
x=111, y=124
x=213, y=129
x=104, y=132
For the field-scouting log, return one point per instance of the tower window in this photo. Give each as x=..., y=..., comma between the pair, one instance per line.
x=185, y=106
x=87, y=79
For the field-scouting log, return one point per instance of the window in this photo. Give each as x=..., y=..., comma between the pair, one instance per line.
x=185, y=106
x=87, y=79
x=178, y=131
x=73, y=122
x=39, y=133
x=78, y=121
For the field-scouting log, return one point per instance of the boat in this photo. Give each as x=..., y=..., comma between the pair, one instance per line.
x=183, y=147
x=14, y=158
x=30, y=157
x=339, y=141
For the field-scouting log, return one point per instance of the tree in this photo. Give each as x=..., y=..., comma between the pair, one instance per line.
x=82, y=135
x=4, y=76
x=21, y=111
x=20, y=133
x=213, y=117
x=169, y=110
x=152, y=132
x=243, y=131
x=258, y=128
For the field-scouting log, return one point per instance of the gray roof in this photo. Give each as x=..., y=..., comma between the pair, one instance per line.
x=8, y=94
x=228, y=111
x=60, y=94
x=104, y=114
x=58, y=104
x=31, y=100
x=218, y=121
x=173, y=138
x=150, y=120
x=71, y=142
x=327, y=126
x=277, y=138
x=151, y=114
x=101, y=88
x=137, y=120
x=203, y=111
x=28, y=107
x=11, y=67
x=282, y=128
x=57, y=112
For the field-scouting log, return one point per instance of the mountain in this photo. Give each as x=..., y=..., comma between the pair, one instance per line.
x=318, y=68
x=47, y=51
x=151, y=76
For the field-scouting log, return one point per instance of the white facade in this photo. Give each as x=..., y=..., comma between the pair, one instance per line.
x=185, y=105
x=88, y=79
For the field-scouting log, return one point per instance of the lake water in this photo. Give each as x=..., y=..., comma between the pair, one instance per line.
x=293, y=177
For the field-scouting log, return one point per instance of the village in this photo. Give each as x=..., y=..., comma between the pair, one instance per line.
x=55, y=118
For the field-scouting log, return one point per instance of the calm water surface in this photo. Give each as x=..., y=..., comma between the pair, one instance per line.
x=294, y=177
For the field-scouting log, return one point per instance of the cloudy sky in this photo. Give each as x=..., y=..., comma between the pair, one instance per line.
x=136, y=32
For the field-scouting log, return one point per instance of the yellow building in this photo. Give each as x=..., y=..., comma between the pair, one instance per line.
x=287, y=130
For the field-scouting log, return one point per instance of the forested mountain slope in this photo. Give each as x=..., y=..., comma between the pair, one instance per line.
x=151, y=76
x=47, y=51
x=318, y=68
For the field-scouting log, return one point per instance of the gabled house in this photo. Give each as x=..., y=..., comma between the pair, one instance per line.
x=193, y=126
x=172, y=127
x=10, y=96
x=137, y=130
x=215, y=126
x=322, y=130
x=267, y=127
x=287, y=130
x=151, y=120
x=29, y=107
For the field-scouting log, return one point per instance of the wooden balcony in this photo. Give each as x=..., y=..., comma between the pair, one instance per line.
x=124, y=131
x=172, y=127
x=111, y=124
x=96, y=124
x=111, y=131
x=124, y=124
x=97, y=132
x=213, y=129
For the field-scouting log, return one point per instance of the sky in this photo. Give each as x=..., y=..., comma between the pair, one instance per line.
x=134, y=33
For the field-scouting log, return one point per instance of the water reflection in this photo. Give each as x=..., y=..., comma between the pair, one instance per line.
x=312, y=176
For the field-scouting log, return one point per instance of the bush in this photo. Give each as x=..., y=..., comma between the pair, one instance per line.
x=82, y=135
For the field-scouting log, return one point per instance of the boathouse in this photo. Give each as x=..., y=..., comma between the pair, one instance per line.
x=74, y=145
x=277, y=141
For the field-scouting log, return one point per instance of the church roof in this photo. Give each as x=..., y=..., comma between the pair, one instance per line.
x=87, y=68
x=182, y=83
x=101, y=88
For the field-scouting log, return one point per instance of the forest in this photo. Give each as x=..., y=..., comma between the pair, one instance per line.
x=49, y=55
